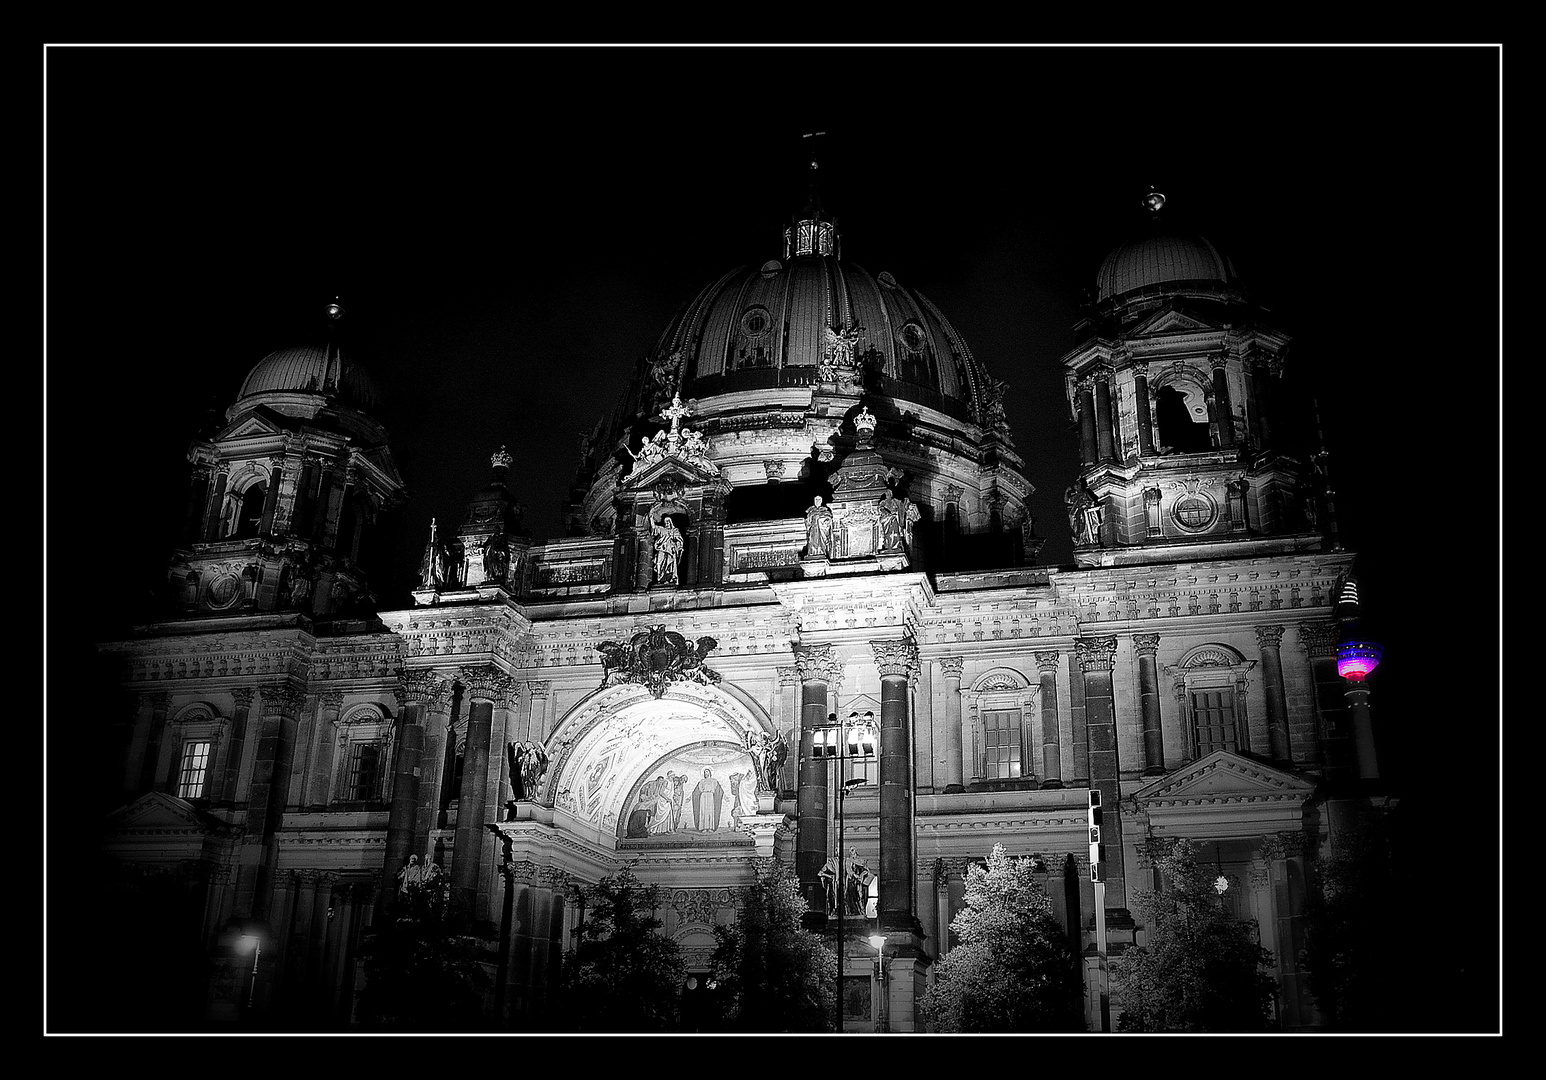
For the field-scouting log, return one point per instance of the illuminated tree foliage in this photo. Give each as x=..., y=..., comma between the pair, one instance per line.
x=1201, y=969
x=1014, y=969
x=424, y=970
x=774, y=974
x=623, y=975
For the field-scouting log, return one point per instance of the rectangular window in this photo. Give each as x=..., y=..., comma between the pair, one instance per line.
x=193, y=771
x=364, y=771
x=1001, y=744
x=1213, y=720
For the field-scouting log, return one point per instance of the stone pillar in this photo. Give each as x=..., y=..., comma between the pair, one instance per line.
x=289, y=490
x=198, y=504
x=1324, y=742
x=1286, y=865
x=1088, y=448
x=1080, y=729
x=418, y=687
x=432, y=766
x=305, y=497
x=1146, y=646
x=283, y=707
x=1270, y=640
x=789, y=726
x=319, y=774
x=950, y=667
x=211, y=529
x=897, y=659
x=231, y=780
x=484, y=686
x=1145, y=422
x=336, y=477
x=1096, y=659
x=271, y=496
x=816, y=666
x=1224, y=412
x=155, y=731
x=298, y=952
x=537, y=694
x=1051, y=733
x=1105, y=426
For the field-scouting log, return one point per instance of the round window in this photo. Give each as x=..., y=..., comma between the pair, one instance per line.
x=1194, y=511
x=223, y=590
x=912, y=337
x=755, y=321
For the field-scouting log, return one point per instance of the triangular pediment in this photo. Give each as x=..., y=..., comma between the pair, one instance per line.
x=673, y=471
x=158, y=812
x=250, y=423
x=1224, y=794
x=1172, y=320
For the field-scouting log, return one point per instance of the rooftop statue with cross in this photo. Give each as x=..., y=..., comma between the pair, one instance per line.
x=674, y=413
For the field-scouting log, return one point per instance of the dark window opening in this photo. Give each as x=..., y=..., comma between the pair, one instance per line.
x=1182, y=428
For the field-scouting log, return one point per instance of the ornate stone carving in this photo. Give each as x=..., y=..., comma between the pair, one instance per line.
x=655, y=658
x=241, y=697
x=1096, y=654
x=1048, y=661
x=427, y=687
x=896, y=656
x=950, y=666
x=1269, y=637
x=815, y=663
x=1146, y=644
x=1317, y=638
x=487, y=682
x=788, y=676
x=701, y=905
x=332, y=699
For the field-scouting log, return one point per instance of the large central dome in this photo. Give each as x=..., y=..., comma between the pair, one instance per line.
x=773, y=359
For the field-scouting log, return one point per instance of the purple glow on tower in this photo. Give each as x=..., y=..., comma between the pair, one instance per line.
x=1356, y=659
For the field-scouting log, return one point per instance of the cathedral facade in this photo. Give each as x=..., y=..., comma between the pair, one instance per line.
x=799, y=616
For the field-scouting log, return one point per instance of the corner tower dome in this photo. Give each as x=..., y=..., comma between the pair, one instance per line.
x=774, y=358
x=1166, y=260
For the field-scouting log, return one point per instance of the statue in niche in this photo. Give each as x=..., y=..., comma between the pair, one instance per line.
x=708, y=799
x=897, y=517
x=528, y=765
x=818, y=530
x=669, y=545
x=778, y=753
x=743, y=798
x=1079, y=503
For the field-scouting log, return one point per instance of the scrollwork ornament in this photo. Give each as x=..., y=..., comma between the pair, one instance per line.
x=242, y=697
x=951, y=666
x=896, y=657
x=1269, y=637
x=1096, y=654
x=1048, y=661
x=815, y=663
x=484, y=683
x=1146, y=644
x=332, y=699
x=1317, y=638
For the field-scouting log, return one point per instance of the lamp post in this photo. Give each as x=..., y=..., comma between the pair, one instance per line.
x=837, y=740
x=254, y=942
x=883, y=1005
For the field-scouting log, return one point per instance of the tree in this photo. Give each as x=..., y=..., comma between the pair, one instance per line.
x=1201, y=970
x=773, y=973
x=423, y=969
x=623, y=975
x=1014, y=969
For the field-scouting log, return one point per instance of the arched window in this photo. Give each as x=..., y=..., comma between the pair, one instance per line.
x=1210, y=685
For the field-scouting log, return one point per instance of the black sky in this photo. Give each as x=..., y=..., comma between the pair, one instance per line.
x=510, y=229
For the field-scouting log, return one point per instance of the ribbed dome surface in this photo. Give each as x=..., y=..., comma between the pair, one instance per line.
x=767, y=326
x=1162, y=259
x=312, y=369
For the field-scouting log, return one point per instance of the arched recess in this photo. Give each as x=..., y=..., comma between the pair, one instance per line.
x=1182, y=425
x=1000, y=717
x=621, y=737
x=241, y=513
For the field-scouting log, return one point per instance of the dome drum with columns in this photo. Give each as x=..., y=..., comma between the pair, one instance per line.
x=771, y=550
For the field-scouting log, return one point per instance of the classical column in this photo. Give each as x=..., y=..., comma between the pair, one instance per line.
x=198, y=503
x=484, y=686
x=815, y=664
x=897, y=659
x=1086, y=408
x=336, y=477
x=537, y=694
x=1145, y=423
x=1270, y=640
x=432, y=766
x=324, y=738
x=241, y=708
x=150, y=762
x=1146, y=646
x=1047, y=695
x=289, y=489
x=950, y=667
x=298, y=952
x=1224, y=412
x=283, y=706
x=1326, y=741
x=271, y=496
x=211, y=527
x=1105, y=427
x=1096, y=659
x=789, y=726
x=1076, y=717
x=417, y=688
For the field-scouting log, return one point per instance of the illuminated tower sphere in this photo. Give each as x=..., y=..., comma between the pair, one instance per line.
x=775, y=359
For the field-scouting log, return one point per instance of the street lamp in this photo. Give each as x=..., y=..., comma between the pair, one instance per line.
x=255, y=943
x=857, y=738
x=882, y=1006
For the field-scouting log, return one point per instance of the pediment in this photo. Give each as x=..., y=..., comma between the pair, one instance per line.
x=159, y=813
x=1224, y=794
x=673, y=472
x=1172, y=320
x=248, y=424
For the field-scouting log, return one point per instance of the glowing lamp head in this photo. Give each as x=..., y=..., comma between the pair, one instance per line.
x=1357, y=659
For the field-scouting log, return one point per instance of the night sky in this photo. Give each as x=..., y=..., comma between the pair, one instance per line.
x=511, y=229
